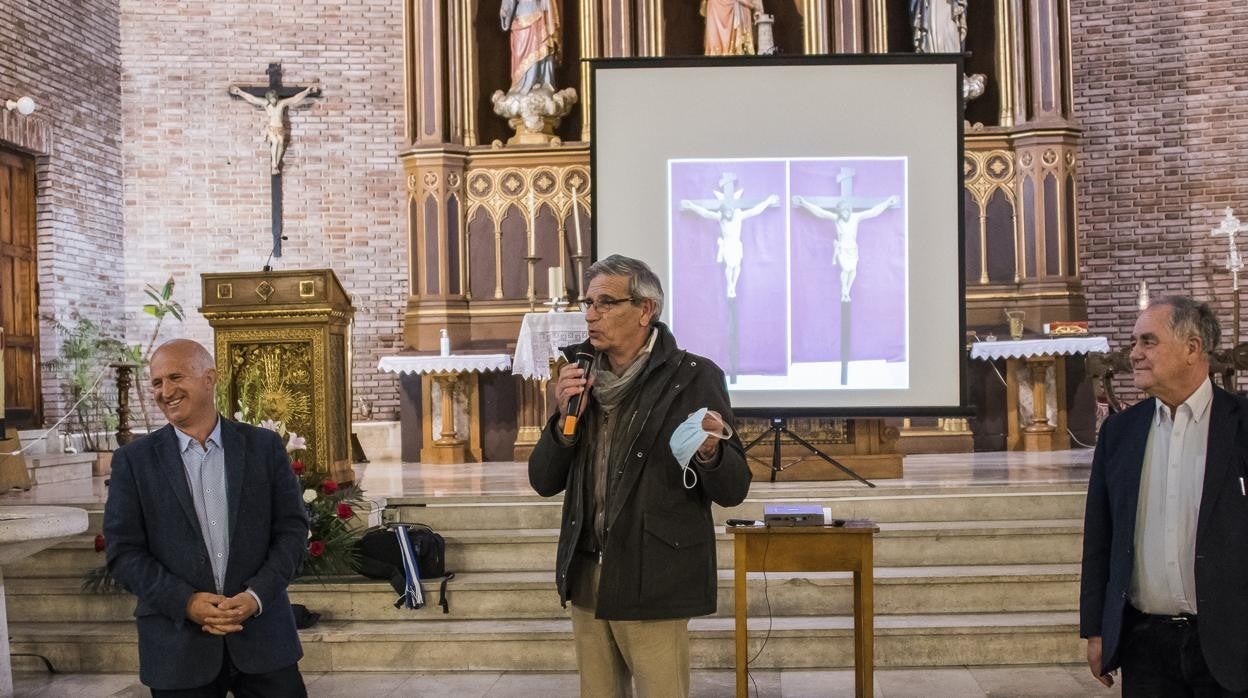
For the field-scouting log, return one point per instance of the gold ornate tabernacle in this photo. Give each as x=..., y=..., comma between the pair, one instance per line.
x=282, y=342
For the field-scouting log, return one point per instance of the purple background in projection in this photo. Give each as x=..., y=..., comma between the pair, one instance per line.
x=878, y=313
x=697, y=286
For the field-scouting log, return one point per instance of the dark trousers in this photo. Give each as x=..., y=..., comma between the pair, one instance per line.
x=1161, y=657
x=283, y=683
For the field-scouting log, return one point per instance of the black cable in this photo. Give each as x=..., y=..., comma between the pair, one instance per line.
x=767, y=599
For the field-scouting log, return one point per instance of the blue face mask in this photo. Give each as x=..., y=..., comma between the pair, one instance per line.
x=686, y=440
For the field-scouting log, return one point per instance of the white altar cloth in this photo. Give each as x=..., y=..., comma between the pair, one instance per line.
x=1048, y=346
x=455, y=363
x=541, y=335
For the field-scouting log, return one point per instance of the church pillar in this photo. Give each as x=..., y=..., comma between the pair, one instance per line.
x=650, y=28
x=877, y=26
x=1049, y=87
x=848, y=18
x=425, y=88
x=436, y=243
x=590, y=43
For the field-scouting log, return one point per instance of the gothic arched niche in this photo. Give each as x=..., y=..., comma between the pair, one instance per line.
x=1002, y=265
x=453, y=286
x=433, y=284
x=971, y=247
x=482, y=273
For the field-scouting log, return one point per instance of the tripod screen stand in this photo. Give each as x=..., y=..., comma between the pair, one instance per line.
x=778, y=428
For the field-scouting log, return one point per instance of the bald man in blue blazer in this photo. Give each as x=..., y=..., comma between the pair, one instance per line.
x=205, y=524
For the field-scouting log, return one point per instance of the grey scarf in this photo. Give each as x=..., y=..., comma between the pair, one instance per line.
x=611, y=392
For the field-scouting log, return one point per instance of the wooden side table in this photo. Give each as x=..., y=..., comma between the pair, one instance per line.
x=847, y=548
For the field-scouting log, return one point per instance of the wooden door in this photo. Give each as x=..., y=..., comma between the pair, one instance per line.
x=19, y=290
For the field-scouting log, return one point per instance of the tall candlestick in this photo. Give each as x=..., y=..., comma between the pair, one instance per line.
x=576, y=220
x=532, y=227
x=2, y=398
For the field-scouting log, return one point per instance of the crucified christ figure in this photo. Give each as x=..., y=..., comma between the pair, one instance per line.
x=845, y=248
x=275, y=131
x=729, y=212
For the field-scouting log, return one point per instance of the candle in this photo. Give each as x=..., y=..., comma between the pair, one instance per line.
x=554, y=282
x=576, y=220
x=532, y=227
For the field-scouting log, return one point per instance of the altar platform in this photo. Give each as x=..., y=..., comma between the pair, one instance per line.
x=976, y=565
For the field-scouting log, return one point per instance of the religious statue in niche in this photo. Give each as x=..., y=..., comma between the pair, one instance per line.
x=940, y=27
x=730, y=26
x=275, y=131
x=532, y=105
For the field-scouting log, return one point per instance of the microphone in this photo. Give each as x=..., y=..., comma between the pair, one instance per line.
x=584, y=360
x=267, y=265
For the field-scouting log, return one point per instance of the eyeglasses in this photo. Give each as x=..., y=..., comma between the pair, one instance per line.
x=603, y=304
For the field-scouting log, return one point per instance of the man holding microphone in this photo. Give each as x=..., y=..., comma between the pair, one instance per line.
x=641, y=447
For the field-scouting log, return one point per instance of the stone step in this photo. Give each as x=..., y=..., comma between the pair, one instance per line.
x=514, y=513
x=896, y=506
x=47, y=468
x=495, y=595
x=914, y=544
x=546, y=645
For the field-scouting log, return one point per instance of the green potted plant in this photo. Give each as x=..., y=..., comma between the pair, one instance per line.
x=83, y=365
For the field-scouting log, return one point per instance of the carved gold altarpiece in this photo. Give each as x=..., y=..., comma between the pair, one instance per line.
x=282, y=345
x=473, y=270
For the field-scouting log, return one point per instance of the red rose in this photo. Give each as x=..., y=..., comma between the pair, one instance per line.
x=344, y=511
x=316, y=548
x=99, y=542
x=329, y=487
x=297, y=466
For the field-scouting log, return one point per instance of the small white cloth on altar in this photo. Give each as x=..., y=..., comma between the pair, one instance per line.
x=541, y=335
x=454, y=363
x=1049, y=346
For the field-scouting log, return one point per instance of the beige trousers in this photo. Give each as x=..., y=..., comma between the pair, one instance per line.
x=653, y=653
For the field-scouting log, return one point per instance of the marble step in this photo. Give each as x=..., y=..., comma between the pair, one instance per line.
x=546, y=645
x=512, y=513
x=888, y=506
x=912, y=544
x=494, y=595
x=48, y=468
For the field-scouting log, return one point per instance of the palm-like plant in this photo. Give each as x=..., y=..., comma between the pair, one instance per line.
x=83, y=361
x=162, y=306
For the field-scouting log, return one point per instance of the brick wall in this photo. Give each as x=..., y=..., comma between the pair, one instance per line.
x=65, y=56
x=1162, y=96
x=196, y=166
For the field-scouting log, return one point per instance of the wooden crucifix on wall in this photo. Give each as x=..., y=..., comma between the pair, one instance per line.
x=275, y=99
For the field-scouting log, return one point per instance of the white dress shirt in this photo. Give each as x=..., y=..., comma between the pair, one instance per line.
x=1163, y=576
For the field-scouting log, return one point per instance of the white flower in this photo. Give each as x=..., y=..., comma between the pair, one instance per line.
x=271, y=425
x=309, y=496
x=238, y=416
x=295, y=442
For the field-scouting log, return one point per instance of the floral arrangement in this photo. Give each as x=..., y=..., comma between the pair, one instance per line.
x=331, y=543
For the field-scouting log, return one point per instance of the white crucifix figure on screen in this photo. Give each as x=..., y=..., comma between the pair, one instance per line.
x=1229, y=227
x=841, y=211
x=729, y=209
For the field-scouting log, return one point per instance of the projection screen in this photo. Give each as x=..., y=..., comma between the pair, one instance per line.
x=804, y=216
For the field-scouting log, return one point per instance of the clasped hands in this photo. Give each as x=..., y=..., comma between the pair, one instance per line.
x=221, y=615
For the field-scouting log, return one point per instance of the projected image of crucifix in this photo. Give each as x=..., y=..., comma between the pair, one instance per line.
x=729, y=209
x=275, y=99
x=846, y=211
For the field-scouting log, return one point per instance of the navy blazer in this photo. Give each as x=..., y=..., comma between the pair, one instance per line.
x=156, y=550
x=1221, y=536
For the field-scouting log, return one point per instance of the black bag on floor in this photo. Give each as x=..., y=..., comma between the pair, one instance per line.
x=379, y=557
